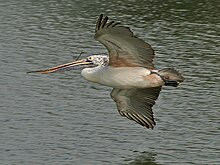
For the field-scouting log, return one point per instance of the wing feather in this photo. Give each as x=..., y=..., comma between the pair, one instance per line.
x=136, y=104
x=124, y=48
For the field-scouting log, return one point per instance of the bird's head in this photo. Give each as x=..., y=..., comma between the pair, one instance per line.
x=98, y=60
x=91, y=61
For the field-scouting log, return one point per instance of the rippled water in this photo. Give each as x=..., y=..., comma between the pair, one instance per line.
x=63, y=119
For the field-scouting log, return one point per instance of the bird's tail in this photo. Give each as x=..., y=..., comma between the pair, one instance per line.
x=171, y=76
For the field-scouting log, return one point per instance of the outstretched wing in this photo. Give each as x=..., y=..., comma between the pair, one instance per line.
x=124, y=48
x=136, y=104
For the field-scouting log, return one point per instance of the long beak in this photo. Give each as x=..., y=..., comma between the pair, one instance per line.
x=62, y=67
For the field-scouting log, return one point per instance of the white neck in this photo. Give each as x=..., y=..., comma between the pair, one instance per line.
x=91, y=74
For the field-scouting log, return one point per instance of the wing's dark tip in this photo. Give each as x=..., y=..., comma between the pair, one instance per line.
x=103, y=23
x=143, y=121
x=99, y=21
x=110, y=23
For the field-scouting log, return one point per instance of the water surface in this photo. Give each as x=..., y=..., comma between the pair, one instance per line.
x=63, y=119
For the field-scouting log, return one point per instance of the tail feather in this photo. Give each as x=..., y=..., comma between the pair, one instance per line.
x=171, y=76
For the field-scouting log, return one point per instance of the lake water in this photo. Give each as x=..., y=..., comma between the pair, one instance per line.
x=63, y=119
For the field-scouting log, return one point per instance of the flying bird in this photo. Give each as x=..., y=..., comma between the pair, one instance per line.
x=128, y=68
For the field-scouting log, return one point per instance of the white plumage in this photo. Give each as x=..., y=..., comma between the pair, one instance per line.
x=120, y=77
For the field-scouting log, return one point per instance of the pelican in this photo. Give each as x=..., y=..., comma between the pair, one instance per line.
x=128, y=69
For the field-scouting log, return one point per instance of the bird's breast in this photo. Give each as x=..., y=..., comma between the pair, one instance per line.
x=121, y=77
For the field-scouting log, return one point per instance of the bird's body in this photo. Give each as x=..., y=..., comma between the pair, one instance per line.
x=128, y=69
x=122, y=77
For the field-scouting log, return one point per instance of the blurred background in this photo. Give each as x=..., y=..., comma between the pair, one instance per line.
x=63, y=119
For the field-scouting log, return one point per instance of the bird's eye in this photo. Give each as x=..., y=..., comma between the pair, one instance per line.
x=90, y=58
